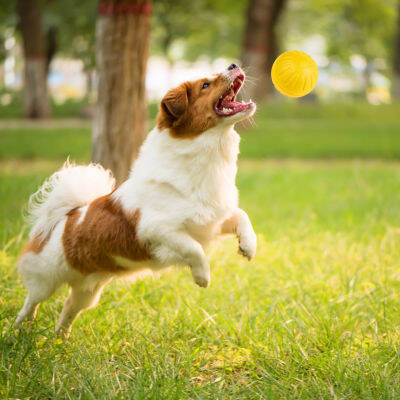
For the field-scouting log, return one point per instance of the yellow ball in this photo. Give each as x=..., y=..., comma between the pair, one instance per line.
x=294, y=73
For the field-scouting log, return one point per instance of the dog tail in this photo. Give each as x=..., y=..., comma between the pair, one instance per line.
x=70, y=187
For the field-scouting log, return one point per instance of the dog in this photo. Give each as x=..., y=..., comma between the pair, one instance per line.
x=180, y=195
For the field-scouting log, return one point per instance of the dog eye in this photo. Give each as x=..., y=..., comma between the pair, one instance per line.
x=206, y=85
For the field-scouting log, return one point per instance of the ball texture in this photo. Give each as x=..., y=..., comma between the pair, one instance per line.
x=294, y=73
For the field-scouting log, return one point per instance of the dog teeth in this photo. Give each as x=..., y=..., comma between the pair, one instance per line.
x=225, y=110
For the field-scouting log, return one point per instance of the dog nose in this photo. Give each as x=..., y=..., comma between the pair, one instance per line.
x=232, y=66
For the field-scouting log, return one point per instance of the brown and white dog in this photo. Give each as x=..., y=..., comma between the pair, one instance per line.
x=180, y=195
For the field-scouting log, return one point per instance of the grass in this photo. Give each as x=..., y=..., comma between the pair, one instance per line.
x=324, y=131
x=288, y=130
x=68, y=109
x=56, y=143
x=315, y=315
x=14, y=110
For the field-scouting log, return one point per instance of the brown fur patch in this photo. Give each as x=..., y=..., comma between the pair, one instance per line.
x=188, y=110
x=105, y=231
x=34, y=245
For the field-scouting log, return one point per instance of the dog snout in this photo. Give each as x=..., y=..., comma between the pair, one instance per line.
x=232, y=66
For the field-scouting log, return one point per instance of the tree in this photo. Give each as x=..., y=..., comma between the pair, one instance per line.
x=260, y=43
x=123, y=34
x=6, y=22
x=396, y=65
x=72, y=29
x=201, y=27
x=362, y=27
x=36, y=101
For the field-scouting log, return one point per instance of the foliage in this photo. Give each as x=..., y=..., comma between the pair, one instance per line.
x=7, y=20
x=181, y=29
x=188, y=29
x=75, y=22
x=365, y=27
x=199, y=27
x=215, y=28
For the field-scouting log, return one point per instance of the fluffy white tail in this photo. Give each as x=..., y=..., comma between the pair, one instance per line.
x=70, y=187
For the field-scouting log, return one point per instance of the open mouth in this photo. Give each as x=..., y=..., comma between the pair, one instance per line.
x=226, y=104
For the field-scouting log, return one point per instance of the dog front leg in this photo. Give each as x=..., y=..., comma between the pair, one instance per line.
x=182, y=248
x=240, y=225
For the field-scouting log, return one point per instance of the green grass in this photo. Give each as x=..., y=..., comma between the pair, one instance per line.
x=288, y=130
x=69, y=109
x=293, y=130
x=39, y=143
x=14, y=110
x=315, y=315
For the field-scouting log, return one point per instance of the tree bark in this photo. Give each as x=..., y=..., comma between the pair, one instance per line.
x=51, y=46
x=396, y=66
x=36, y=100
x=260, y=44
x=123, y=35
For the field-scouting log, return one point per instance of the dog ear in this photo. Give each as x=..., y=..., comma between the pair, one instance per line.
x=175, y=101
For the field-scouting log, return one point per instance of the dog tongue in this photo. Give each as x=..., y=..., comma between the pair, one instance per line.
x=235, y=106
x=227, y=103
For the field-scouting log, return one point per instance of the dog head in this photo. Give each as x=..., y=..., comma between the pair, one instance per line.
x=194, y=107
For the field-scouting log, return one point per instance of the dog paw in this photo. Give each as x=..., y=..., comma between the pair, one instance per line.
x=248, y=246
x=62, y=332
x=202, y=281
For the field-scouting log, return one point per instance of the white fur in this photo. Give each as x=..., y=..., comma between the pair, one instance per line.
x=183, y=181
x=82, y=215
x=72, y=186
x=186, y=193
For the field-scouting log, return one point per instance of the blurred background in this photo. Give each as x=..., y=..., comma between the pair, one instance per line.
x=355, y=44
x=57, y=58
x=111, y=61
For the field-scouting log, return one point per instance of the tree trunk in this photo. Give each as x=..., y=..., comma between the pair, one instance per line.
x=36, y=101
x=51, y=49
x=260, y=44
x=123, y=35
x=396, y=67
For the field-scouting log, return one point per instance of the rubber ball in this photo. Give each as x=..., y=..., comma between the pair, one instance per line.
x=294, y=73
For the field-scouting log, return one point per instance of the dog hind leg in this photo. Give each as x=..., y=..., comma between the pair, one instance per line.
x=80, y=298
x=39, y=290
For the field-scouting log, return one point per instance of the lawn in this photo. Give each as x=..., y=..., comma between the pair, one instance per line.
x=315, y=315
x=288, y=130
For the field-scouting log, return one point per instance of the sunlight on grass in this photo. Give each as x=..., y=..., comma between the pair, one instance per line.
x=315, y=315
